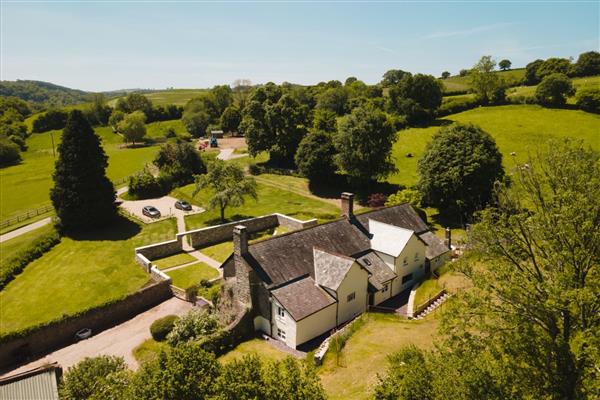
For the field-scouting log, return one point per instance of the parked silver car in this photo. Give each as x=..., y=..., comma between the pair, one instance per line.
x=151, y=211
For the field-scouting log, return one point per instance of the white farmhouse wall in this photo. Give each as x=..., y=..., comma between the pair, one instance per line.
x=410, y=261
x=284, y=323
x=389, y=260
x=316, y=324
x=439, y=261
x=381, y=296
x=356, y=281
x=262, y=324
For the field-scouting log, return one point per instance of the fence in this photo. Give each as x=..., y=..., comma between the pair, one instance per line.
x=25, y=216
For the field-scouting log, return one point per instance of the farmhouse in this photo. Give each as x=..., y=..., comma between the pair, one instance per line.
x=305, y=283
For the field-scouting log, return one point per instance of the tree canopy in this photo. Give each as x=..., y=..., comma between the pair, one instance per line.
x=315, y=157
x=505, y=64
x=554, y=90
x=459, y=169
x=484, y=81
x=227, y=184
x=133, y=126
x=83, y=196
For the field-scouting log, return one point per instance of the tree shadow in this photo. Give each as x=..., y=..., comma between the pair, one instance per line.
x=447, y=218
x=333, y=188
x=121, y=228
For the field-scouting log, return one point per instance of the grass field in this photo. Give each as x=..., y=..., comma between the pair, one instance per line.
x=173, y=261
x=14, y=246
x=33, y=177
x=254, y=346
x=80, y=273
x=578, y=83
x=165, y=97
x=149, y=350
x=516, y=128
x=270, y=200
x=191, y=275
x=463, y=83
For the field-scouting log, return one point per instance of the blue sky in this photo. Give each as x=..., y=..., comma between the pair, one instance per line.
x=95, y=45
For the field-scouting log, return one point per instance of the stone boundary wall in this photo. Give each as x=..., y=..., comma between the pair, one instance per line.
x=158, y=275
x=224, y=232
x=293, y=223
x=61, y=333
x=162, y=249
x=144, y=262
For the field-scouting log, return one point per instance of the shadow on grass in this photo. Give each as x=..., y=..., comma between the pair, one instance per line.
x=447, y=218
x=334, y=187
x=233, y=218
x=121, y=228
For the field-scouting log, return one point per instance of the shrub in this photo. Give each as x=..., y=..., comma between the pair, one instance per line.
x=144, y=185
x=456, y=104
x=411, y=196
x=162, y=327
x=49, y=121
x=170, y=132
x=256, y=169
x=180, y=161
x=193, y=325
x=554, y=90
x=9, y=152
x=589, y=99
x=37, y=248
x=94, y=378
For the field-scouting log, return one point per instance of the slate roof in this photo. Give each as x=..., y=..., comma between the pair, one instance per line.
x=380, y=272
x=287, y=257
x=302, y=298
x=435, y=247
x=330, y=269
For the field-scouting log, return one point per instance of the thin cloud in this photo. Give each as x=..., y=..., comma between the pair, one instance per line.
x=385, y=49
x=467, y=32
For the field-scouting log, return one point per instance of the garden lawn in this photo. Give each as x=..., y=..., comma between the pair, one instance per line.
x=78, y=274
x=516, y=128
x=14, y=246
x=173, y=261
x=254, y=346
x=365, y=354
x=270, y=200
x=27, y=185
x=191, y=275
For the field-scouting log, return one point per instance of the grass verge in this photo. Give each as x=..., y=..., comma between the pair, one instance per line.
x=191, y=275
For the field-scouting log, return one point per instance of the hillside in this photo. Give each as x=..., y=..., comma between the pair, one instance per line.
x=46, y=93
x=462, y=84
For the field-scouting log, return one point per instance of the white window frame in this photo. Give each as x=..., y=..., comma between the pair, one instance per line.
x=280, y=312
x=280, y=333
x=351, y=297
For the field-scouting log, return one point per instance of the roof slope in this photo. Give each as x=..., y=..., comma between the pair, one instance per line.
x=435, y=247
x=330, y=269
x=389, y=239
x=379, y=270
x=302, y=298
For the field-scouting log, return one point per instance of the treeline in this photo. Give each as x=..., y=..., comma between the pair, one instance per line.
x=13, y=131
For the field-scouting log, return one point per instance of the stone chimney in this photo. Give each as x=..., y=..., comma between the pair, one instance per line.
x=448, y=240
x=347, y=205
x=240, y=240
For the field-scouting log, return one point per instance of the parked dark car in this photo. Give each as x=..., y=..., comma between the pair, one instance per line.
x=183, y=205
x=151, y=211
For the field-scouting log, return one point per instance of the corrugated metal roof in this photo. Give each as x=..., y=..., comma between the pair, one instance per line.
x=37, y=386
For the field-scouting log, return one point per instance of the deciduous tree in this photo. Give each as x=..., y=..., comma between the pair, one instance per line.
x=484, y=80
x=133, y=126
x=230, y=119
x=587, y=64
x=315, y=156
x=505, y=65
x=554, y=90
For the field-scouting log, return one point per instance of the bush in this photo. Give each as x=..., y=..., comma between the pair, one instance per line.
x=9, y=152
x=411, y=196
x=145, y=186
x=162, y=327
x=456, y=104
x=377, y=200
x=95, y=378
x=180, y=161
x=256, y=169
x=170, y=132
x=37, y=248
x=589, y=99
x=194, y=325
x=49, y=121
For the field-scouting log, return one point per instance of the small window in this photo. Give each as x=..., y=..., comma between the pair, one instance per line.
x=280, y=312
x=405, y=260
x=386, y=287
x=367, y=261
x=281, y=333
x=406, y=278
x=416, y=256
x=351, y=297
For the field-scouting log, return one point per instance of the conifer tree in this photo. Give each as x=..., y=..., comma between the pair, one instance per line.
x=82, y=194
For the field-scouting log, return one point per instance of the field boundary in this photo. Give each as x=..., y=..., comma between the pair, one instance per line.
x=26, y=215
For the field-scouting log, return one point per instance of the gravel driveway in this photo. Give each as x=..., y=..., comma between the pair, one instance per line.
x=165, y=204
x=117, y=341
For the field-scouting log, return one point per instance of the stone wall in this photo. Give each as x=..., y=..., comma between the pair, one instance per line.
x=223, y=233
x=162, y=249
x=59, y=334
x=293, y=223
x=143, y=261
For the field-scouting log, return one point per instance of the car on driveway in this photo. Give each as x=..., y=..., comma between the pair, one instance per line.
x=183, y=205
x=151, y=211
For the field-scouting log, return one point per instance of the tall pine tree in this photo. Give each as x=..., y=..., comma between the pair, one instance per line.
x=82, y=194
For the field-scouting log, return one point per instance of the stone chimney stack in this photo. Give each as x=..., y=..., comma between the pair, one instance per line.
x=448, y=240
x=347, y=205
x=240, y=240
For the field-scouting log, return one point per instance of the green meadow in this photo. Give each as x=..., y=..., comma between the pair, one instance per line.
x=516, y=128
x=459, y=83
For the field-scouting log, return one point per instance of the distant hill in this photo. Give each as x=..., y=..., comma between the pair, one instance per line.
x=45, y=93
x=461, y=84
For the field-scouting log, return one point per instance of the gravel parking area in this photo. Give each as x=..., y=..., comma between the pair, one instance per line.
x=166, y=206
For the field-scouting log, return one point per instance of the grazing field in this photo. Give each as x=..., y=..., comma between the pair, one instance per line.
x=270, y=200
x=191, y=275
x=516, y=128
x=173, y=96
x=33, y=176
x=590, y=82
x=80, y=273
x=463, y=83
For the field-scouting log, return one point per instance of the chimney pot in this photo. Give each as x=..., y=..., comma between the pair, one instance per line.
x=348, y=205
x=240, y=240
